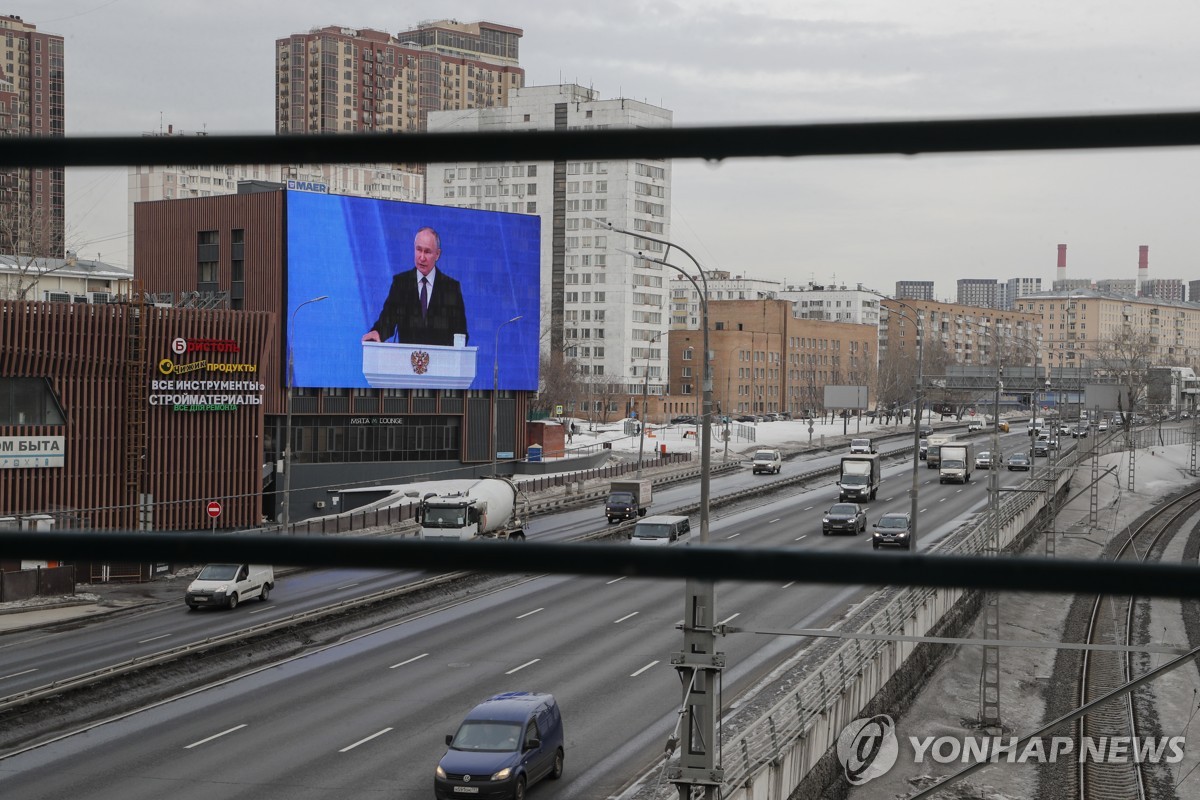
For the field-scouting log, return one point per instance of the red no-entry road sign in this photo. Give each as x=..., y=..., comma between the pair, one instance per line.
x=214, y=509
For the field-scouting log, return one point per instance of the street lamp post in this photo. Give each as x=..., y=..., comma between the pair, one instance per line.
x=699, y=663
x=496, y=390
x=287, y=447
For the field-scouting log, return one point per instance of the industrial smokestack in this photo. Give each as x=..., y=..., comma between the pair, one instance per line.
x=1143, y=267
x=1062, y=262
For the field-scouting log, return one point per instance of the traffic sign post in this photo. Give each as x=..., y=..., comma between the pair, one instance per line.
x=214, y=511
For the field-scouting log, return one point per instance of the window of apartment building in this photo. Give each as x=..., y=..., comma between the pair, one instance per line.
x=208, y=252
x=531, y=208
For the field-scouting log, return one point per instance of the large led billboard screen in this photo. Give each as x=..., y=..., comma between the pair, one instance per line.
x=382, y=325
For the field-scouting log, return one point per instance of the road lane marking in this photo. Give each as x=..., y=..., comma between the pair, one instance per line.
x=348, y=748
x=786, y=585
x=260, y=608
x=772, y=522
x=347, y=586
x=614, y=580
x=530, y=613
x=409, y=661
x=214, y=736
x=923, y=510
x=887, y=500
x=733, y=536
x=729, y=618
x=942, y=500
x=805, y=536
x=523, y=666
x=810, y=508
x=154, y=638
x=643, y=669
x=627, y=616
x=17, y=674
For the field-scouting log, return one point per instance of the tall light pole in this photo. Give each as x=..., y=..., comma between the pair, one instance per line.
x=645, y=392
x=496, y=389
x=699, y=663
x=287, y=448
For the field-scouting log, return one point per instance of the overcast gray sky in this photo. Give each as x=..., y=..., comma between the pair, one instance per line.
x=133, y=65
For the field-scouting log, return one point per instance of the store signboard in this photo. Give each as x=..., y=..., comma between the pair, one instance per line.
x=28, y=452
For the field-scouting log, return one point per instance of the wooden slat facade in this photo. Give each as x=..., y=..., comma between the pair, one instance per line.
x=189, y=457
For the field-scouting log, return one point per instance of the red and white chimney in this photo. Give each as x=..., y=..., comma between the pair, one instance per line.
x=1143, y=267
x=1062, y=262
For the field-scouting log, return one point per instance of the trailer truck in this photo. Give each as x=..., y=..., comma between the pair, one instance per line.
x=491, y=508
x=858, y=479
x=628, y=499
x=955, y=463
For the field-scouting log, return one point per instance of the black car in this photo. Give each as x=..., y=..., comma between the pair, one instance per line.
x=1079, y=432
x=844, y=518
x=1041, y=448
x=745, y=418
x=893, y=528
x=1018, y=461
x=683, y=420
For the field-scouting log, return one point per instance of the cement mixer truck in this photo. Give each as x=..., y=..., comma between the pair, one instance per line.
x=490, y=508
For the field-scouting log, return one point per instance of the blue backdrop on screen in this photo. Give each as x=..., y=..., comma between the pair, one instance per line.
x=350, y=247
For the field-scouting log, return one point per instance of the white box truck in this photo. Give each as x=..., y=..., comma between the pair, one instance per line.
x=955, y=463
x=858, y=479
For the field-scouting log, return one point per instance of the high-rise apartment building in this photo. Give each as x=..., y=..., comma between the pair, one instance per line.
x=31, y=104
x=1193, y=292
x=341, y=80
x=1169, y=289
x=1018, y=287
x=980, y=292
x=914, y=290
x=601, y=305
x=1117, y=286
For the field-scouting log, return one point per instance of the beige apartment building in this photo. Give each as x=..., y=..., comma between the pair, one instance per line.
x=1077, y=324
x=766, y=360
x=340, y=80
x=966, y=334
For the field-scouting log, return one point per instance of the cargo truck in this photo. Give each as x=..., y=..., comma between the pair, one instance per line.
x=858, y=479
x=491, y=508
x=955, y=463
x=933, y=451
x=628, y=499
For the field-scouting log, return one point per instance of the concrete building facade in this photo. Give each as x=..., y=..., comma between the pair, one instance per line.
x=833, y=303
x=32, y=103
x=685, y=299
x=967, y=335
x=982, y=292
x=602, y=306
x=1079, y=324
x=767, y=361
x=914, y=290
x=341, y=80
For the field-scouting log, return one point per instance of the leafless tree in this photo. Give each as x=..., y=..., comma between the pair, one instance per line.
x=1127, y=356
x=30, y=250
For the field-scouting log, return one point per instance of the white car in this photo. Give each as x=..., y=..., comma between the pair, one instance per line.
x=1102, y=425
x=975, y=425
x=768, y=461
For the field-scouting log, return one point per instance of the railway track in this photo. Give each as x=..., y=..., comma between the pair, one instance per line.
x=1112, y=622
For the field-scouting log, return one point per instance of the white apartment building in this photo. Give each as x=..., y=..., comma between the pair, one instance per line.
x=685, y=300
x=62, y=280
x=381, y=181
x=1015, y=288
x=601, y=305
x=833, y=303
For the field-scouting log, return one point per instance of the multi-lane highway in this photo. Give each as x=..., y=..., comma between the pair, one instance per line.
x=367, y=716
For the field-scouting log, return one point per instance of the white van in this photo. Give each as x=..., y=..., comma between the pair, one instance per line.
x=661, y=530
x=229, y=584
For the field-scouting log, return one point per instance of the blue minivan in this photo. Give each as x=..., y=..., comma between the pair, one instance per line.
x=506, y=744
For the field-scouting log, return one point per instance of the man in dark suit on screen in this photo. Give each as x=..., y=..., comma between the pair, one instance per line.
x=424, y=304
